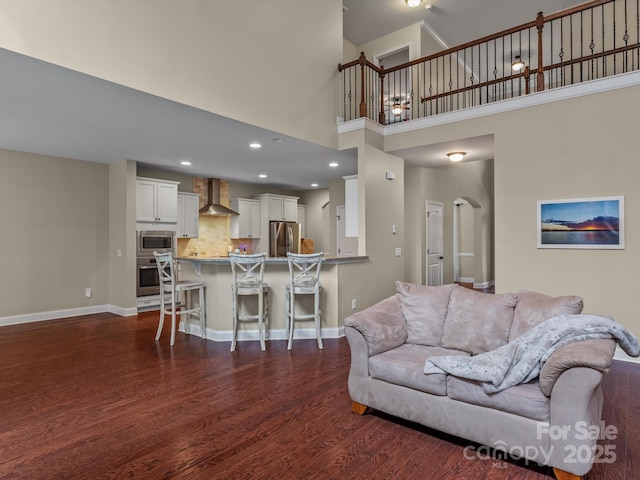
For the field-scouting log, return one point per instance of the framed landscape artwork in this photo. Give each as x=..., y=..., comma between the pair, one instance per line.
x=581, y=223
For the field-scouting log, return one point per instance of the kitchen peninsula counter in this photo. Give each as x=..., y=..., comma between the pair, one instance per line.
x=199, y=260
x=215, y=271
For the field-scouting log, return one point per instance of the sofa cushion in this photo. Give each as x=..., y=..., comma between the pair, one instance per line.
x=477, y=322
x=534, y=308
x=404, y=365
x=424, y=309
x=526, y=399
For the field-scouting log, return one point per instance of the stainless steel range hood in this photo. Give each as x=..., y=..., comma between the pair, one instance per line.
x=213, y=206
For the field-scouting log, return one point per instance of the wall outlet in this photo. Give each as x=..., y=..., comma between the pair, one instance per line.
x=398, y=252
x=354, y=304
x=119, y=252
x=87, y=292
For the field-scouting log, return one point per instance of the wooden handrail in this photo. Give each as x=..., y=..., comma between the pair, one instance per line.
x=539, y=72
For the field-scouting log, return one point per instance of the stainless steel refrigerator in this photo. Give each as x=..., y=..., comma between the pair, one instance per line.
x=283, y=237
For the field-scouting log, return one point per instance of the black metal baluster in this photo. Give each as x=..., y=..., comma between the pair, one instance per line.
x=604, y=64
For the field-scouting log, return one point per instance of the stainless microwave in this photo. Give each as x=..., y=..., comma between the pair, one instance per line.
x=155, y=241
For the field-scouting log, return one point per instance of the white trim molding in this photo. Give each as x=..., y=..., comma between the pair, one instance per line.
x=66, y=313
x=254, y=334
x=623, y=357
x=591, y=87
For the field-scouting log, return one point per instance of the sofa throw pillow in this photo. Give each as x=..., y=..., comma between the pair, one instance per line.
x=477, y=322
x=534, y=308
x=424, y=310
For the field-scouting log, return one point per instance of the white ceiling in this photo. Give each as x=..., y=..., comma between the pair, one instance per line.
x=51, y=110
x=454, y=21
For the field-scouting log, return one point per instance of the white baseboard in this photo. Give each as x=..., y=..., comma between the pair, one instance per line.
x=55, y=314
x=65, y=313
x=483, y=285
x=623, y=357
x=254, y=335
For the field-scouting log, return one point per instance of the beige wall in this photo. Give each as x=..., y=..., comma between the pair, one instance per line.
x=224, y=56
x=55, y=217
x=381, y=205
x=473, y=180
x=316, y=222
x=587, y=148
x=122, y=236
x=409, y=36
x=581, y=147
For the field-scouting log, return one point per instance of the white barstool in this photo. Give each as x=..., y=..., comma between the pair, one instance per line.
x=170, y=285
x=304, y=279
x=248, y=271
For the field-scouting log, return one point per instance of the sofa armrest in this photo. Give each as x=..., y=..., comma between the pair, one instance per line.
x=596, y=354
x=382, y=325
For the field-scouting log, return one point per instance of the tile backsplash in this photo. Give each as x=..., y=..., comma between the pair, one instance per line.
x=213, y=237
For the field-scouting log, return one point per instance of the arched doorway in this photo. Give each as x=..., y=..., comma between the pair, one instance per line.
x=467, y=251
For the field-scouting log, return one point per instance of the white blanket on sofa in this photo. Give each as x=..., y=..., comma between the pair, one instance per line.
x=522, y=359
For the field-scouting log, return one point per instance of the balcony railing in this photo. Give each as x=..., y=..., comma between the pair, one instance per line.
x=594, y=40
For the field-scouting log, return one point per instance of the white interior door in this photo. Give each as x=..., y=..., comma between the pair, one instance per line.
x=347, y=246
x=435, y=240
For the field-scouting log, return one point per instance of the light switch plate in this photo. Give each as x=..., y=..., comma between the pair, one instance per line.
x=398, y=252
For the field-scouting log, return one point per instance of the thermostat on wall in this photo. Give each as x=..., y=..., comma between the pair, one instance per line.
x=390, y=176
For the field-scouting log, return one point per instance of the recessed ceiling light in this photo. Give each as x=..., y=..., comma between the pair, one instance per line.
x=255, y=145
x=185, y=162
x=263, y=175
x=333, y=164
x=314, y=184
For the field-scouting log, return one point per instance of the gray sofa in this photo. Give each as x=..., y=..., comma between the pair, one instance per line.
x=543, y=420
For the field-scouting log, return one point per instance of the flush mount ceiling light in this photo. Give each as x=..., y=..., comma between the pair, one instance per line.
x=255, y=145
x=314, y=184
x=263, y=175
x=186, y=163
x=333, y=164
x=413, y=3
x=456, y=156
x=517, y=65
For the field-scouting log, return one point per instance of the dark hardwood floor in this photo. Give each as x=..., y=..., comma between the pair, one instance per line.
x=96, y=397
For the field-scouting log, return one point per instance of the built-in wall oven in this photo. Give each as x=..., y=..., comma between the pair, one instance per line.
x=147, y=279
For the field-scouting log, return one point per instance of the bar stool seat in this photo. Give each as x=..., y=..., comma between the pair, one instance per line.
x=304, y=279
x=248, y=273
x=177, y=288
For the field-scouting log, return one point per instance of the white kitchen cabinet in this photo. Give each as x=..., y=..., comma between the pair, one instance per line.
x=188, y=215
x=273, y=208
x=302, y=220
x=279, y=207
x=156, y=201
x=247, y=224
x=351, y=206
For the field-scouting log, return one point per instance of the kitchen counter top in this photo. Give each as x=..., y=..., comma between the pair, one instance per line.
x=199, y=260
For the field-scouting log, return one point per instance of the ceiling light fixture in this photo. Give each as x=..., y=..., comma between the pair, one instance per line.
x=186, y=163
x=255, y=145
x=456, y=156
x=517, y=65
x=397, y=109
x=333, y=164
x=413, y=3
x=314, y=184
x=263, y=175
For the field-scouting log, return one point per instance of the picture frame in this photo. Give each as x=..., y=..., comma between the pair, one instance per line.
x=582, y=223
